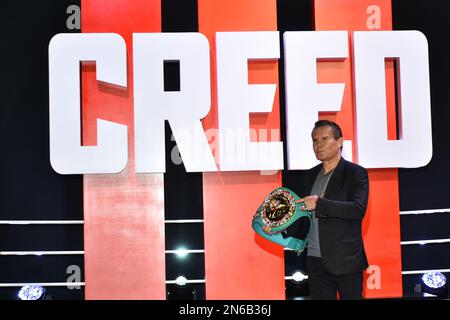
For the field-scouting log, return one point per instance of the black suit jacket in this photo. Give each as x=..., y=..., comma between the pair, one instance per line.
x=340, y=213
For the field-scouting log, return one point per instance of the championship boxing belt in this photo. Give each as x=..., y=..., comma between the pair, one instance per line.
x=278, y=211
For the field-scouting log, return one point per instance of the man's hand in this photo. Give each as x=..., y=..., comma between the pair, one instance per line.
x=310, y=203
x=266, y=229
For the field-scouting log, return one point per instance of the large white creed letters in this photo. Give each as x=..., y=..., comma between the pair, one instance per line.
x=305, y=98
x=66, y=51
x=237, y=99
x=414, y=147
x=183, y=109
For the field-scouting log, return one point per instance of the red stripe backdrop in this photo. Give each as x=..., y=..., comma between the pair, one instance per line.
x=239, y=264
x=123, y=213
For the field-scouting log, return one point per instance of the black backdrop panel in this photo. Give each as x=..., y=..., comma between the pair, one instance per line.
x=51, y=293
x=41, y=237
x=30, y=189
x=187, y=235
x=433, y=256
x=45, y=268
x=191, y=266
x=427, y=187
x=425, y=226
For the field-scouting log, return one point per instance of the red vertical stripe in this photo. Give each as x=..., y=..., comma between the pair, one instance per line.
x=381, y=229
x=239, y=264
x=123, y=213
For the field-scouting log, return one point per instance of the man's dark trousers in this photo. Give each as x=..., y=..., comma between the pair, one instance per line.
x=324, y=286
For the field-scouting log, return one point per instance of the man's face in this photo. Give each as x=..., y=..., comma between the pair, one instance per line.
x=325, y=145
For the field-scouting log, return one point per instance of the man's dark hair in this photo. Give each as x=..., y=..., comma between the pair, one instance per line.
x=337, y=132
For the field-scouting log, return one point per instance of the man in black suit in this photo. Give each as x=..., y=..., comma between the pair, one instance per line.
x=338, y=193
